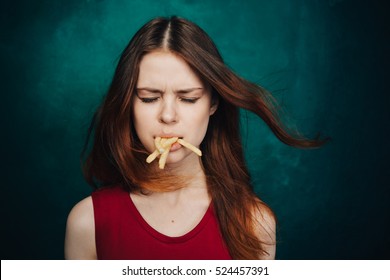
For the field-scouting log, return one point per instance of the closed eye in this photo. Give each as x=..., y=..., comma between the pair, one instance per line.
x=189, y=100
x=148, y=100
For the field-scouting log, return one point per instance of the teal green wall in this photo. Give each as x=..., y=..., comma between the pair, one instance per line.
x=324, y=61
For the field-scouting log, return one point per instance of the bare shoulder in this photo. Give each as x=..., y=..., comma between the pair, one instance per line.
x=265, y=226
x=81, y=215
x=80, y=231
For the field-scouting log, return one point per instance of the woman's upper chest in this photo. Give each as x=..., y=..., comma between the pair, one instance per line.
x=171, y=217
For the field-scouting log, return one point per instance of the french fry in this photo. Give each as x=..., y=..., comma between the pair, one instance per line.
x=152, y=156
x=169, y=142
x=163, y=159
x=157, y=143
x=163, y=146
x=190, y=146
x=163, y=140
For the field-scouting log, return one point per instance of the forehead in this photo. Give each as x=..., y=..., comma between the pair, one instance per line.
x=162, y=69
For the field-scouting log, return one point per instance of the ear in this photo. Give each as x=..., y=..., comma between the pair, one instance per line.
x=214, y=105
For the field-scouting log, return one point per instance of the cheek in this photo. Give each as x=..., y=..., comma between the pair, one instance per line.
x=142, y=115
x=138, y=116
x=197, y=123
x=143, y=125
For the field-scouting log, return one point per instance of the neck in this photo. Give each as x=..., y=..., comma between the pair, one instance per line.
x=195, y=187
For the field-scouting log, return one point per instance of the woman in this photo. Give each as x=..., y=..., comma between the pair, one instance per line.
x=172, y=82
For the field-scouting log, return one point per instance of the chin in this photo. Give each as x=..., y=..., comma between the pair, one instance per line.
x=181, y=156
x=176, y=157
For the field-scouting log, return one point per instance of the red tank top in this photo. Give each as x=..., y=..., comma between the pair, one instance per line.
x=122, y=233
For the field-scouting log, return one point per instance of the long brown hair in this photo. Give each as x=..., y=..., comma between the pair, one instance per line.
x=118, y=157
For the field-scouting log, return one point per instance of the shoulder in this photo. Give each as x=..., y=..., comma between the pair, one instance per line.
x=80, y=231
x=265, y=228
x=81, y=213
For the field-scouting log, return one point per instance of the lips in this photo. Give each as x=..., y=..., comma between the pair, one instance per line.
x=175, y=146
x=169, y=136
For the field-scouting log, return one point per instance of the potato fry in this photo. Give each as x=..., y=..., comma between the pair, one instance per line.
x=169, y=142
x=163, y=159
x=152, y=156
x=163, y=146
x=163, y=140
x=190, y=146
x=157, y=143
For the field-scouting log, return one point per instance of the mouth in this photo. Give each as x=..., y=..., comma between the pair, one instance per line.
x=169, y=136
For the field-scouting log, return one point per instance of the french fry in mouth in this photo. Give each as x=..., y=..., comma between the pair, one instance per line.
x=157, y=143
x=163, y=159
x=163, y=146
x=152, y=156
x=190, y=146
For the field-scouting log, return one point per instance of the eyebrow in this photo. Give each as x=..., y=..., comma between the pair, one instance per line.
x=182, y=91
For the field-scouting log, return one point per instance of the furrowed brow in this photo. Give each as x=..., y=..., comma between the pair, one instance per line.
x=188, y=90
x=151, y=90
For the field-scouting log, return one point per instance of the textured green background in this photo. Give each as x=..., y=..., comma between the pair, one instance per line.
x=325, y=61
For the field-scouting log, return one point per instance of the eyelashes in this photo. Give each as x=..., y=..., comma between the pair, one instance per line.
x=148, y=100
x=155, y=99
x=189, y=100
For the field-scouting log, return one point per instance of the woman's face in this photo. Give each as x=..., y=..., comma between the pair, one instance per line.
x=171, y=100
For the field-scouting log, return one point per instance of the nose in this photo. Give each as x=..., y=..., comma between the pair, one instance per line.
x=168, y=112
